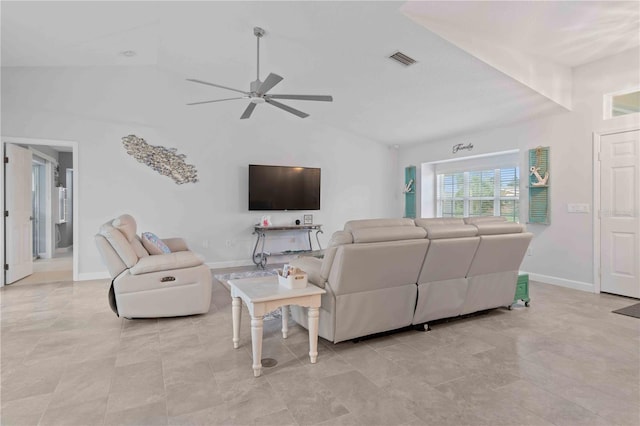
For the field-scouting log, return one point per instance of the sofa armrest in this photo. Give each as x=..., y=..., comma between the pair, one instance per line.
x=311, y=266
x=176, y=244
x=165, y=262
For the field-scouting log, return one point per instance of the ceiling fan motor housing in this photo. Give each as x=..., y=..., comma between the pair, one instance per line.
x=253, y=88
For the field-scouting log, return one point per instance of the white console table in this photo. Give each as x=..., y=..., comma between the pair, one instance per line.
x=260, y=255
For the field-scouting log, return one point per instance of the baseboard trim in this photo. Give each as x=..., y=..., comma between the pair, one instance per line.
x=88, y=276
x=562, y=282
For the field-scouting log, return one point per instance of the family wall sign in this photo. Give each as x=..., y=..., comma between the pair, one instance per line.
x=462, y=147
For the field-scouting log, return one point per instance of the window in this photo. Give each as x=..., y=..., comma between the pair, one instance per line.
x=492, y=192
x=621, y=103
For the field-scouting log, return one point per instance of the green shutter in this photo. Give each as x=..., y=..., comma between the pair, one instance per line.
x=410, y=196
x=539, y=195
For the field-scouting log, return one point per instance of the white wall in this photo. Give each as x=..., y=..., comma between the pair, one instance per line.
x=98, y=106
x=562, y=253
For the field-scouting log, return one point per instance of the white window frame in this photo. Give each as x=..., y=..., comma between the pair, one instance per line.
x=466, y=198
x=607, y=104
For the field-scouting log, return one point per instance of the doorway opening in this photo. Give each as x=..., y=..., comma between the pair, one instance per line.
x=50, y=194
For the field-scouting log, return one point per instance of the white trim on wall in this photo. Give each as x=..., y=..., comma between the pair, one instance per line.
x=50, y=227
x=43, y=155
x=76, y=198
x=87, y=276
x=597, y=136
x=548, y=279
x=496, y=160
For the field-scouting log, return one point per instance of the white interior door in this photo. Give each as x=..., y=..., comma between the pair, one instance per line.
x=620, y=211
x=18, y=203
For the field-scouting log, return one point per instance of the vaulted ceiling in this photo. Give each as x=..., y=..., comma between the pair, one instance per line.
x=337, y=48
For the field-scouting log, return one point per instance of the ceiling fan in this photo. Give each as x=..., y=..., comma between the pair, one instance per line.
x=258, y=90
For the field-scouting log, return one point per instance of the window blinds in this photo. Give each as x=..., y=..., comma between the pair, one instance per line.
x=492, y=192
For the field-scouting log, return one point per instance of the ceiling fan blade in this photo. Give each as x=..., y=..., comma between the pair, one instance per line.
x=247, y=112
x=217, y=100
x=217, y=85
x=287, y=108
x=303, y=97
x=272, y=80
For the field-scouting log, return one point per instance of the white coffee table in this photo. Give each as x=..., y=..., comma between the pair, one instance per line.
x=263, y=295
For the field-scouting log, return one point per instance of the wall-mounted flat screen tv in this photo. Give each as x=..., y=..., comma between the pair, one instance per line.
x=284, y=188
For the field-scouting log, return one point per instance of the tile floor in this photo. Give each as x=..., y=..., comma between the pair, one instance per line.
x=66, y=359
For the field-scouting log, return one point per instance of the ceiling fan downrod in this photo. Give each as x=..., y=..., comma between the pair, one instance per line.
x=258, y=32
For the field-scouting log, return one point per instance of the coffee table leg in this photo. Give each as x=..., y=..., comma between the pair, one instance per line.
x=236, y=310
x=314, y=315
x=256, y=344
x=284, y=310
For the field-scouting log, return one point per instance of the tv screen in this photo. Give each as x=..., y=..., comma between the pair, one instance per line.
x=283, y=188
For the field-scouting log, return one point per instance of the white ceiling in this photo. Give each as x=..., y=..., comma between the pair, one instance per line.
x=337, y=48
x=570, y=33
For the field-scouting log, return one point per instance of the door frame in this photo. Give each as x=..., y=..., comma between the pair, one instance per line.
x=49, y=161
x=597, y=136
x=76, y=198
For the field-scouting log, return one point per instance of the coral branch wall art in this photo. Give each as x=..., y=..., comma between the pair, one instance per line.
x=165, y=161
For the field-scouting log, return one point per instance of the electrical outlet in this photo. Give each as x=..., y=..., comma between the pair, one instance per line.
x=529, y=251
x=205, y=243
x=229, y=243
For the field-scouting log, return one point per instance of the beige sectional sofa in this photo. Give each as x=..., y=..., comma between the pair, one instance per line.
x=385, y=274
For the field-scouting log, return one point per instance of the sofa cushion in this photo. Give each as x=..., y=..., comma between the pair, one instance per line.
x=372, y=266
x=439, y=221
x=165, y=262
x=483, y=219
x=339, y=238
x=437, y=232
x=310, y=265
x=111, y=258
x=377, y=223
x=389, y=233
x=127, y=225
x=136, y=243
x=176, y=244
x=494, y=228
x=153, y=244
x=448, y=259
x=119, y=243
x=499, y=253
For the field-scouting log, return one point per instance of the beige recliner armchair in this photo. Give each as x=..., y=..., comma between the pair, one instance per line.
x=150, y=286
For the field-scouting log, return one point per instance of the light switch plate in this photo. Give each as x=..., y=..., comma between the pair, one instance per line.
x=578, y=208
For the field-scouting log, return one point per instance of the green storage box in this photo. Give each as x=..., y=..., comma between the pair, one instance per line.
x=522, y=289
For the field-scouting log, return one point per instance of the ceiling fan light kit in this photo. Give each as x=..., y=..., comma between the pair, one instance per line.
x=257, y=93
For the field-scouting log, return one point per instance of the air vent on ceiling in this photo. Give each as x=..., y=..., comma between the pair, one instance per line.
x=403, y=59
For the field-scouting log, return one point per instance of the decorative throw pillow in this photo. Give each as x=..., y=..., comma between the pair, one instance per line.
x=153, y=244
